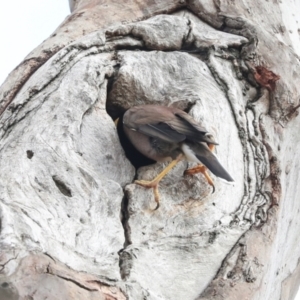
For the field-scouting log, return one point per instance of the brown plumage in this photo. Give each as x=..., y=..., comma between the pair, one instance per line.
x=160, y=132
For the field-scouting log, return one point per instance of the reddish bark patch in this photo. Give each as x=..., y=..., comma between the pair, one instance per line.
x=39, y=276
x=266, y=78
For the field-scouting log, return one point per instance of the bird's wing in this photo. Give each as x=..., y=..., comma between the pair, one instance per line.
x=189, y=121
x=165, y=123
x=207, y=158
x=151, y=120
x=185, y=124
x=162, y=131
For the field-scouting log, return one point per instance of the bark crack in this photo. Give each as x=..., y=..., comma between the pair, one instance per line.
x=27, y=214
x=49, y=271
x=64, y=189
x=124, y=264
x=77, y=283
x=2, y=266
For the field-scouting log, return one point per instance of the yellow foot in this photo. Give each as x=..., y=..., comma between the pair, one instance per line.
x=151, y=184
x=195, y=170
x=201, y=169
x=146, y=183
x=154, y=183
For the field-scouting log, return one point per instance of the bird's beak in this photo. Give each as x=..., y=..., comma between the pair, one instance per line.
x=116, y=122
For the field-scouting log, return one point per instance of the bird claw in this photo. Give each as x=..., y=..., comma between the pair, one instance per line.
x=146, y=183
x=213, y=188
x=151, y=184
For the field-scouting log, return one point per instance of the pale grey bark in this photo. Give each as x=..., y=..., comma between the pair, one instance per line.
x=73, y=223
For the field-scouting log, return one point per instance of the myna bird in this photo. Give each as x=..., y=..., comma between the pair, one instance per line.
x=154, y=133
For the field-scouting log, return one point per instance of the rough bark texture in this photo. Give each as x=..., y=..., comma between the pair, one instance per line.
x=73, y=223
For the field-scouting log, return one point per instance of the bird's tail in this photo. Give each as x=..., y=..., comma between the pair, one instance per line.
x=208, y=159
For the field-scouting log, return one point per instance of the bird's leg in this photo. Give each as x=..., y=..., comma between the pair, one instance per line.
x=154, y=183
x=202, y=169
x=160, y=176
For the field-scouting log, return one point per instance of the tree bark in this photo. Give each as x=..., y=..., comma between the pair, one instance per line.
x=73, y=223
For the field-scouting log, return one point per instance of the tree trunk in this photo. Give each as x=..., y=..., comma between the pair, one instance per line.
x=73, y=223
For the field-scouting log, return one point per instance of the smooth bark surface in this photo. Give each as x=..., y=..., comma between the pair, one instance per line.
x=73, y=223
